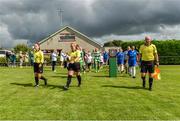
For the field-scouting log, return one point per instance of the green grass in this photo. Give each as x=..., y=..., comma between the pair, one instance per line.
x=100, y=97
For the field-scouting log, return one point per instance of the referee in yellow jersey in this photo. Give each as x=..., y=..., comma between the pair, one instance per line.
x=74, y=66
x=149, y=58
x=38, y=65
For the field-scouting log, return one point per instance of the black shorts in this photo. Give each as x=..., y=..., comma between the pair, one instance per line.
x=89, y=64
x=147, y=66
x=38, y=69
x=53, y=63
x=74, y=67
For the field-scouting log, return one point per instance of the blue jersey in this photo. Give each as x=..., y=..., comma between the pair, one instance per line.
x=126, y=55
x=132, y=54
x=120, y=57
x=105, y=55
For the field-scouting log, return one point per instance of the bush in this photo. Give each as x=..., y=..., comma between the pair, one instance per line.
x=3, y=61
x=169, y=60
x=21, y=47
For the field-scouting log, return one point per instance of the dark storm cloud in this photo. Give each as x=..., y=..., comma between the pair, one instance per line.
x=36, y=19
x=134, y=16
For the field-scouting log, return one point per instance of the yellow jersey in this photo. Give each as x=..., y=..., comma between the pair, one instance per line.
x=38, y=57
x=147, y=52
x=75, y=56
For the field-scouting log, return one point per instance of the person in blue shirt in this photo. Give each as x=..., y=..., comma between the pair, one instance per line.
x=126, y=67
x=120, y=60
x=132, y=61
x=105, y=57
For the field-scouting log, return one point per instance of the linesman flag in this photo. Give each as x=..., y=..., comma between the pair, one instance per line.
x=156, y=74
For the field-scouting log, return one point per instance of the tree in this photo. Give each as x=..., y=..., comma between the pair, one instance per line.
x=21, y=47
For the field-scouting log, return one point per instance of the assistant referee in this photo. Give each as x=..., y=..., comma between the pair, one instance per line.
x=38, y=65
x=74, y=66
x=149, y=58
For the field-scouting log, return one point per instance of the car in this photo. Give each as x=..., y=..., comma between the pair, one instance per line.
x=4, y=53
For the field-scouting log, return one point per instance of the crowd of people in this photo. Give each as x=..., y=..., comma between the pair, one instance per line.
x=126, y=60
x=19, y=59
x=79, y=60
x=88, y=60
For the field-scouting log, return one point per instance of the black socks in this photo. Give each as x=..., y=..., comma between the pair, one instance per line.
x=150, y=83
x=144, y=81
x=68, y=81
x=36, y=80
x=45, y=80
x=79, y=80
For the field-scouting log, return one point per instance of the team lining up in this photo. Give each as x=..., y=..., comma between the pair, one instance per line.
x=77, y=60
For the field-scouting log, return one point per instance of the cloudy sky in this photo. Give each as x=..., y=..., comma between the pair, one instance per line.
x=23, y=21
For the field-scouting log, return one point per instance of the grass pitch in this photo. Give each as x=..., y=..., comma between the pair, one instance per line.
x=100, y=97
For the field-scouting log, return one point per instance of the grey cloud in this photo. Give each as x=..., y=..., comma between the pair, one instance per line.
x=134, y=16
x=36, y=19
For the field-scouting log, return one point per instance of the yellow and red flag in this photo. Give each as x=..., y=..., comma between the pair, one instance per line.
x=156, y=74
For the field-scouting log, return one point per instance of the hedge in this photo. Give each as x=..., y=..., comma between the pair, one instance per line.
x=3, y=61
x=168, y=51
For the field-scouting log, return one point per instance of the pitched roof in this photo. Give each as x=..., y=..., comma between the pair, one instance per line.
x=67, y=27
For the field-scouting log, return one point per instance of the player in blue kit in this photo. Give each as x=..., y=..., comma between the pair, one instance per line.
x=106, y=57
x=120, y=60
x=126, y=66
x=132, y=61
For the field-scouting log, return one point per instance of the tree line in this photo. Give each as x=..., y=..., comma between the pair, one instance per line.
x=168, y=50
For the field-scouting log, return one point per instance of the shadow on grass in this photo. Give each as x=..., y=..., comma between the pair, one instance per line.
x=54, y=86
x=24, y=85
x=62, y=76
x=124, y=87
x=31, y=85
x=59, y=87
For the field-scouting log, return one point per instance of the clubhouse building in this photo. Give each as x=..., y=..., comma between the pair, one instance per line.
x=62, y=39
